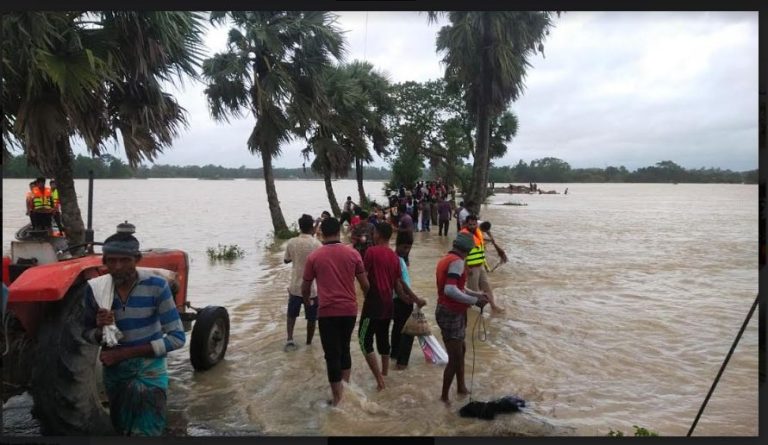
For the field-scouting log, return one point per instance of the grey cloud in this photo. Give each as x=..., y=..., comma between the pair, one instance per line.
x=568, y=110
x=614, y=88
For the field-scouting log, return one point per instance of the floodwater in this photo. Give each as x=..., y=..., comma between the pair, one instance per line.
x=622, y=301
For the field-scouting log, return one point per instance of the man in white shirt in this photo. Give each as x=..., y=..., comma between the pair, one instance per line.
x=464, y=212
x=296, y=252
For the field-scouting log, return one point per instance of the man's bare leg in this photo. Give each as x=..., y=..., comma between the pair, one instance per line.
x=310, y=330
x=461, y=385
x=337, y=389
x=374, y=366
x=488, y=290
x=384, y=364
x=291, y=324
x=345, y=374
x=453, y=348
x=289, y=344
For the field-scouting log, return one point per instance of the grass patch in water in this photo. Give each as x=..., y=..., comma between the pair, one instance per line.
x=288, y=233
x=229, y=252
x=639, y=432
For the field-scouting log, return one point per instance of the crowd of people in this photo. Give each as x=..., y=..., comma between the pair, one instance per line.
x=325, y=269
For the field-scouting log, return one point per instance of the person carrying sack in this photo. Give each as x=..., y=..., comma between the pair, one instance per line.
x=402, y=342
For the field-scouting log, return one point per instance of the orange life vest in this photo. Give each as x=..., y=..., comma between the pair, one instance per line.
x=41, y=200
x=476, y=256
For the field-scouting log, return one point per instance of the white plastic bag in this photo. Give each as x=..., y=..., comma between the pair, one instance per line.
x=433, y=350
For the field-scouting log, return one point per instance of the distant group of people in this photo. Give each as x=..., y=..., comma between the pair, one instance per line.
x=323, y=275
x=426, y=204
x=43, y=205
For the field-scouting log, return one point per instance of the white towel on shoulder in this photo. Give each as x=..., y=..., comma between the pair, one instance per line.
x=104, y=293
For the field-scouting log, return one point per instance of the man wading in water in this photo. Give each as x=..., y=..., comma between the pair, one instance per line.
x=335, y=266
x=142, y=307
x=453, y=300
x=296, y=252
x=382, y=266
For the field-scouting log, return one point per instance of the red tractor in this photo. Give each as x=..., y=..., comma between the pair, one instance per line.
x=42, y=335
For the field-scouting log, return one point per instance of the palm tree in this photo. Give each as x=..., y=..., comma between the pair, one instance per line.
x=95, y=75
x=486, y=54
x=331, y=159
x=335, y=133
x=271, y=68
x=377, y=104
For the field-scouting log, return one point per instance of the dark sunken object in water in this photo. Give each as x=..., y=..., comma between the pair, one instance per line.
x=488, y=410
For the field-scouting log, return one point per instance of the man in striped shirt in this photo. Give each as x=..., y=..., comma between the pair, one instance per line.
x=140, y=304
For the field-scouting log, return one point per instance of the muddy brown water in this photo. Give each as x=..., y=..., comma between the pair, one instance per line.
x=622, y=301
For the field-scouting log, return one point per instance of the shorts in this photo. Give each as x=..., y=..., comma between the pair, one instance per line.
x=453, y=326
x=370, y=327
x=477, y=279
x=294, y=307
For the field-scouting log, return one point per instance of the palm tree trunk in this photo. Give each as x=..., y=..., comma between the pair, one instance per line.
x=278, y=222
x=480, y=168
x=331, y=196
x=359, y=174
x=479, y=183
x=70, y=210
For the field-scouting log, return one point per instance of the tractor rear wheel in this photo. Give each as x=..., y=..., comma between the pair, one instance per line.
x=210, y=337
x=66, y=376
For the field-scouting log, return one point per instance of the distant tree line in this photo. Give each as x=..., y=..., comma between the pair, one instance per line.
x=108, y=166
x=556, y=170
x=539, y=170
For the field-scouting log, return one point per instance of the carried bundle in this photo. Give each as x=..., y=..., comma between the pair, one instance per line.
x=416, y=324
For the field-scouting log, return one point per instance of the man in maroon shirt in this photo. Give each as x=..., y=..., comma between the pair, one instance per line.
x=334, y=267
x=383, y=270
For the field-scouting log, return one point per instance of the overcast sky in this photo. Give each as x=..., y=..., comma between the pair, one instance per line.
x=615, y=88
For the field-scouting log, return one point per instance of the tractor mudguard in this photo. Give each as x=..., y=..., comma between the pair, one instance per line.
x=48, y=283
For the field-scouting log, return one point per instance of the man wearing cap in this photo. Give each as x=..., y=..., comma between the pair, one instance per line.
x=143, y=310
x=451, y=313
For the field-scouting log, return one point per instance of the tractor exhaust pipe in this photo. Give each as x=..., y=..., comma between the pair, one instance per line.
x=89, y=228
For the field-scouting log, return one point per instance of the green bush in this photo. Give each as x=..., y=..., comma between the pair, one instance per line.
x=288, y=233
x=228, y=253
x=639, y=432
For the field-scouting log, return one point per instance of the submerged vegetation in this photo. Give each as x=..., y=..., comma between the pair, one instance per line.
x=287, y=233
x=229, y=252
x=639, y=432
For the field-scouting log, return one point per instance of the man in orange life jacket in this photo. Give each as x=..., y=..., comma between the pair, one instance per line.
x=42, y=206
x=453, y=300
x=477, y=277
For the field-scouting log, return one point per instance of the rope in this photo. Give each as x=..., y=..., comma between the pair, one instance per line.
x=481, y=321
x=725, y=363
